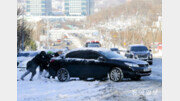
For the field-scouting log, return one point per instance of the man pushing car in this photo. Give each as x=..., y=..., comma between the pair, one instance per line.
x=33, y=64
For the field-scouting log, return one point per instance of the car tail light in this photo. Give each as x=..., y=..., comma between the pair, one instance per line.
x=52, y=60
x=97, y=41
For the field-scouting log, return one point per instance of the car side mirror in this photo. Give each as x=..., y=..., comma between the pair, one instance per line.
x=101, y=58
x=128, y=51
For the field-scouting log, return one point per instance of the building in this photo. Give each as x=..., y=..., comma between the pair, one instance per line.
x=79, y=7
x=39, y=7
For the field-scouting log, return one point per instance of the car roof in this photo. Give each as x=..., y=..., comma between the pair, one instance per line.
x=88, y=49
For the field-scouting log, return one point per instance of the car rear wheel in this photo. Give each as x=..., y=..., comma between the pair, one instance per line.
x=63, y=75
x=150, y=63
x=116, y=74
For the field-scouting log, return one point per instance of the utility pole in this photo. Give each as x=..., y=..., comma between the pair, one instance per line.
x=22, y=30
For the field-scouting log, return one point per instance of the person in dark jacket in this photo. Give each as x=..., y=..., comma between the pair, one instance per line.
x=56, y=54
x=33, y=64
x=44, y=64
x=52, y=72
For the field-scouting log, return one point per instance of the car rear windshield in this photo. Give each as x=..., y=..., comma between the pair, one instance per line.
x=93, y=45
x=111, y=54
x=139, y=48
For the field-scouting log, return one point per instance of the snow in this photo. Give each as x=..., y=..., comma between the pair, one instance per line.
x=23, y=60
x=42, y=89
x=89, y=48
x=136, y=45
x=158, y=54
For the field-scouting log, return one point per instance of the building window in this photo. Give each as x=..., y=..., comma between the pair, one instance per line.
x=43, y=10
x=28, y=6
x=43, y=2
x=28, y=2
x=43, y=6
x=28, y=10
x=83, y=8
x=66, y=4
x=43, y=13
x=83, y=4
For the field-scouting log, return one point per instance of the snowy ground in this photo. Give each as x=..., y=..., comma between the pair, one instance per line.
x=41, y=89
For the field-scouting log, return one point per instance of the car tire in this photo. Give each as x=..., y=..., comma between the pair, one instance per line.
x=150, y=63
x=17, y=63
x=137, y=78
x=116, y=74
x=63, y=75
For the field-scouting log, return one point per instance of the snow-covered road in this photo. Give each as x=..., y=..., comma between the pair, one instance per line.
x=42, y=89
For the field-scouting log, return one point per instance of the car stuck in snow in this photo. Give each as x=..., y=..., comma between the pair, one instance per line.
x=98, y=63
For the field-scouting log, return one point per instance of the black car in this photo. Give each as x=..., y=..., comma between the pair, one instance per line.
x=98, y=63
x=140, y=52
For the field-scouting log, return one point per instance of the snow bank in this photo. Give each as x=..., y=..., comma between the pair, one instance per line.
x=158, y=54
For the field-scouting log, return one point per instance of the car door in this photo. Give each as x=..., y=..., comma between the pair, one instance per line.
x=75, y=63
x=93, y=67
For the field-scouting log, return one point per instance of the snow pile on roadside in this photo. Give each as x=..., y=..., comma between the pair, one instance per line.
x=158, y=54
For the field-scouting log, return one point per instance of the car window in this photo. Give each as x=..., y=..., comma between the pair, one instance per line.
x=93, y=45
x=111, y=54
x=90, y=55
x=75, y=54
x=83, y=55
x=139, y=48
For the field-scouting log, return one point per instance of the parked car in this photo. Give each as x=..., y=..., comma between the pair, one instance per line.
x=159, y=47
x=98, y=63
x=115, y=50
x=140, y=52
x=93, y=44
x=24, y=57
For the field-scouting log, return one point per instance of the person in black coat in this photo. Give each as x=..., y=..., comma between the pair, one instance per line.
x=33, y=64
x=44, y=64
x=52, y=72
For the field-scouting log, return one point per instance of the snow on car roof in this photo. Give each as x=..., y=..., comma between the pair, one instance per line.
x=81, y=49
x=136, y=45
x=54, y=50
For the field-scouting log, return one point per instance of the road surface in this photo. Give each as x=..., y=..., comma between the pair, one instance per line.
x=42, y=89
